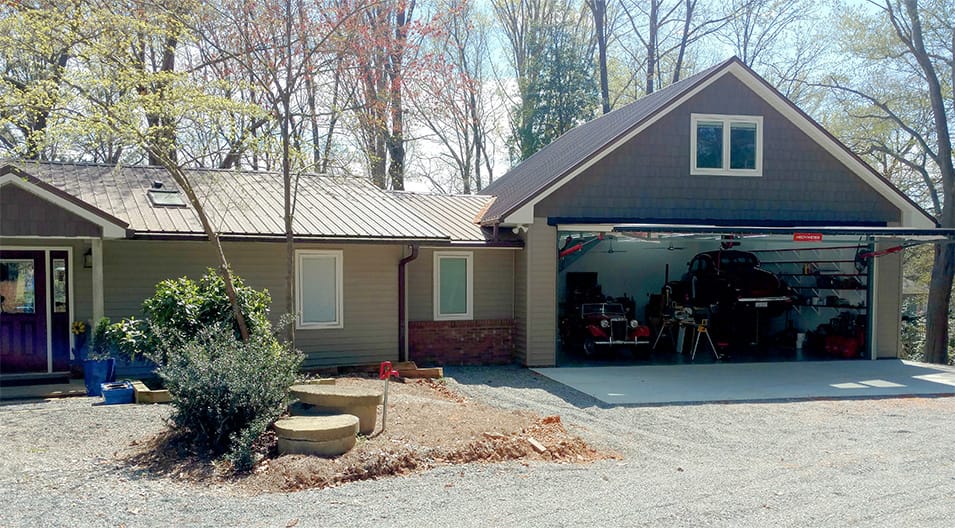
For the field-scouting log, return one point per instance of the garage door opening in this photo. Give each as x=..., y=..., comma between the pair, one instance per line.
x=680, y=297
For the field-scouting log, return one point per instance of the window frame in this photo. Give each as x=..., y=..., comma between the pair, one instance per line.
x=339, y=322
x=468, y=256
x=727, y=121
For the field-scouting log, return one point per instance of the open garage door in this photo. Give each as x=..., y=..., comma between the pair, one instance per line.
x=678, y=294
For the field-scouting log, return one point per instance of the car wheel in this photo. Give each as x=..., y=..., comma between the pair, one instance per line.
x=590, y=347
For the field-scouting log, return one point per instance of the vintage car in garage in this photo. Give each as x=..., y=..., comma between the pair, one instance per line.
x=728, y=277
x=602, y=325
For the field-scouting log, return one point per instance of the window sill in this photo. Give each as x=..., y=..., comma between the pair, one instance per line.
x=720, y=172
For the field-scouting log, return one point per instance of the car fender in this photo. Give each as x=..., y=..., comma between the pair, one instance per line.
x=596, y=331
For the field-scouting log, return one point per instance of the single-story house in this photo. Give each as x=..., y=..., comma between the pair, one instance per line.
x=387, y=275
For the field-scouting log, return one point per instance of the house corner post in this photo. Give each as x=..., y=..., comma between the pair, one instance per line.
x=98, y=304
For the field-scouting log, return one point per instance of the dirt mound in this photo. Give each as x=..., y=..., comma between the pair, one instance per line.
x=428, y=425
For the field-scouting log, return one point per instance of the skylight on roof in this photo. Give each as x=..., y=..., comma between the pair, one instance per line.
x=165, y=198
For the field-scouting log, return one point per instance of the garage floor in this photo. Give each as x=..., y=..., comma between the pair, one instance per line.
x=748, y=382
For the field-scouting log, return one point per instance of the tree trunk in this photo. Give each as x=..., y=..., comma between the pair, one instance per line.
x=943, y=270
x=599, y=9
x=288, y=185
x=224, y=270
x=652, y=44
x=684, y=40
x=939, y=300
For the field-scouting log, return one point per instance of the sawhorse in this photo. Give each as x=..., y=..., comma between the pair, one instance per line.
x=701, y=330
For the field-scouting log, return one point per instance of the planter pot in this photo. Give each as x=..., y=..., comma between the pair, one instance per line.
x=97, y=372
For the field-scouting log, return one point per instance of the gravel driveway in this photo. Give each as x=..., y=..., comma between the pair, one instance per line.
x=826, y=463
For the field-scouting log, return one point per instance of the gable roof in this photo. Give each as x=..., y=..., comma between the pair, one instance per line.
x=566, y=157
x=112, y=227
x=249, y=204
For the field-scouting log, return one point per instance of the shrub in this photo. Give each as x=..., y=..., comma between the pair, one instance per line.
x=225, y=392
x=181, y=308
x=126, y=339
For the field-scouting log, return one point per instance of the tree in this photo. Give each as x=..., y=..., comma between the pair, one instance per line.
x=36, y=42
x=113, y=93
x=561, y=96
x=598, y=8
x=379, y=56
x=906, y=52
x=280, y=47
x=665, y=31
x=783, y=40
x=451, y=99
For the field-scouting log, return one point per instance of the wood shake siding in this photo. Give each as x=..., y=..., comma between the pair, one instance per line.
x=649, y=178
x=370, y=286
x=493, y=283
x=541, y=304
x=25, y=214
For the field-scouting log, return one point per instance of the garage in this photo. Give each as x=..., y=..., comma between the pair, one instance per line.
x=696, y=294
x=711, y=221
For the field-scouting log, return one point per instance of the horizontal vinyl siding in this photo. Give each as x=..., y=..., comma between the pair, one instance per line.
x=493, y=284
x=370, y=333
x=542, y=294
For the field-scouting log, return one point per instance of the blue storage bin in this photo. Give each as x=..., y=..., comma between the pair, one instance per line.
x=118, y=392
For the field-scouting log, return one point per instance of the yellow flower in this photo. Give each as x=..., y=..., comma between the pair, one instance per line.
x=78, y=327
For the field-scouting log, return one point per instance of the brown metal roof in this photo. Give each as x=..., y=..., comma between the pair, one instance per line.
x=250, y=204
x=455, y=215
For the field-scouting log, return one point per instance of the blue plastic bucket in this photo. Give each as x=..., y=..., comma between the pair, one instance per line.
x=96, y=372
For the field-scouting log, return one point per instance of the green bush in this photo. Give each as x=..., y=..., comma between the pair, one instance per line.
x=225, y=392
x=127, y=339
x=182, y=307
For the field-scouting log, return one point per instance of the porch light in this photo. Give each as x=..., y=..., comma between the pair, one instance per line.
x=88, y=258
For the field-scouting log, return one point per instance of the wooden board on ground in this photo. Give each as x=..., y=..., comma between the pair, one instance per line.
x=145, y=395
x=433, y=372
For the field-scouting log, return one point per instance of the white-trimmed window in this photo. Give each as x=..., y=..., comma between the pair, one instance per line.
x=318, y=288
x=453, y=285
x=726, y=145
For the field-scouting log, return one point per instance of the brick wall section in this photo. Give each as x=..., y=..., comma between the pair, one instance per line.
x=483, y=342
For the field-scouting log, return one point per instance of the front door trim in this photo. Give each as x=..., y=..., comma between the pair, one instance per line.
x=49, y=293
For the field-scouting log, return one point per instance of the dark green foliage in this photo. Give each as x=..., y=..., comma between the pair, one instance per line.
x=559, y=93
x=100, y=347
x=225, y=392
x=180, y=308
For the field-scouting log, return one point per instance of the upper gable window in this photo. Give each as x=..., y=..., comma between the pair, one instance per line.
x=726, y=145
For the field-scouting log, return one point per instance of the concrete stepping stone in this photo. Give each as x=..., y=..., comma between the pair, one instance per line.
x=338, y=399
x=316, y=435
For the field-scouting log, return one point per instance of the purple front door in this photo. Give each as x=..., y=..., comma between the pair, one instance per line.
x=23, y=312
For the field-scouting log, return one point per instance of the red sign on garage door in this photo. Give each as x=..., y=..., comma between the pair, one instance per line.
x=807, y=237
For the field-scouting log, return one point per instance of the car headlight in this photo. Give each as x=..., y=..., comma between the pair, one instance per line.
x=634, y=324
x=604, y=323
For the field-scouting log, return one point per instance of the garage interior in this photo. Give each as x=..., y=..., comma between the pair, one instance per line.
x=720, y=310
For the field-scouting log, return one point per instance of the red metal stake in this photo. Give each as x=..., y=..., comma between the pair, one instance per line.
x=385, y=372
